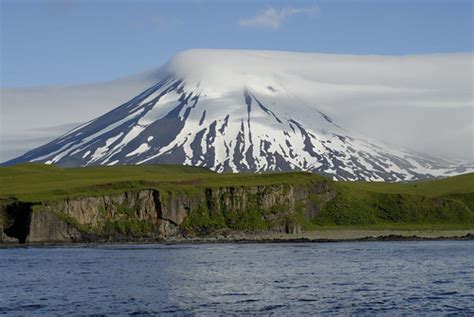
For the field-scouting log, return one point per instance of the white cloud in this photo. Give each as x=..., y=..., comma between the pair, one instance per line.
x=30, y=117
x=273, y=18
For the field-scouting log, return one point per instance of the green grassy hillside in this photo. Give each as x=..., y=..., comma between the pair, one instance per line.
x=460, y=184
x=37, y=182
x=438, y=203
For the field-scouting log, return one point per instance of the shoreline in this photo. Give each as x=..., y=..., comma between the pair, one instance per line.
x=321, y=236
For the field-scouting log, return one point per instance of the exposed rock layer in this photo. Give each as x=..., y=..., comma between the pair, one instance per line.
x=158, y=214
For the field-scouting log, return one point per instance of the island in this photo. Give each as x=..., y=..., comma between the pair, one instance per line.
x=168, y=203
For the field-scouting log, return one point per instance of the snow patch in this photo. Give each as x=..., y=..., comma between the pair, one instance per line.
x=139, y=150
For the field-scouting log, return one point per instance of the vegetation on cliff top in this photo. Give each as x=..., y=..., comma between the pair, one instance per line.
x=38, y=182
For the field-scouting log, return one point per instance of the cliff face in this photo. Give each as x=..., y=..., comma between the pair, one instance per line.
x=158, y=214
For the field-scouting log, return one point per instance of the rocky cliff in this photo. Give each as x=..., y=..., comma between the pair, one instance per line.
x=155, y=214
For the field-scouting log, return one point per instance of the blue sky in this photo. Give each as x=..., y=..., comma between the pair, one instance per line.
x=63, y=42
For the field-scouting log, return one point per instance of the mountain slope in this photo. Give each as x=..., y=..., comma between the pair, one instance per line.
x=234, y=113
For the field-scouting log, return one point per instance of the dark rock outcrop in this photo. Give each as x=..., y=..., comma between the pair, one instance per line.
x=156, y=214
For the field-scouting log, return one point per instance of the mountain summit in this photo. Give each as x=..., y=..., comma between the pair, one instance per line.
x=236, y=111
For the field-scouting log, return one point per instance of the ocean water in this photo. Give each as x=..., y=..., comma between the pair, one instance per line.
x=368, y=278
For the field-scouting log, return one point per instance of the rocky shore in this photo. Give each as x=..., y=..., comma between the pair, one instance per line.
x=226, y=236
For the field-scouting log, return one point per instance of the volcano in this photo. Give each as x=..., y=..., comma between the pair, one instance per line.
x=236, y=111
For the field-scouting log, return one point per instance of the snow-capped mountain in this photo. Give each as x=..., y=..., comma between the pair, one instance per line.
x=235, y=111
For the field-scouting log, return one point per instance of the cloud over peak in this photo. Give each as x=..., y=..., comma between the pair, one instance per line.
x=273, y=18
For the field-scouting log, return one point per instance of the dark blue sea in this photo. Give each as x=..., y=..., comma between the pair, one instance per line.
x=360, y=278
